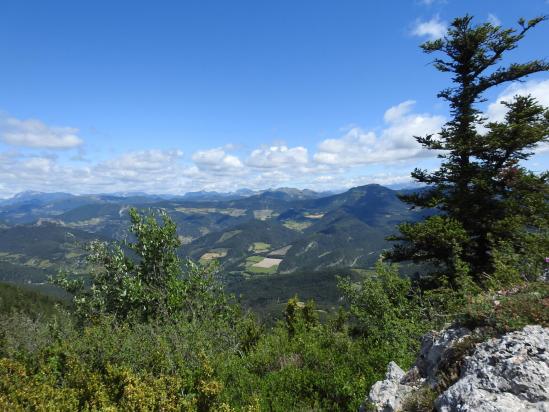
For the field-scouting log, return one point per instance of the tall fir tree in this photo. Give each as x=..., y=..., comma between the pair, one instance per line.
x=486, y=199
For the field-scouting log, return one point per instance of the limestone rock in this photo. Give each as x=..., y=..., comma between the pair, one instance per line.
x=506, y=374
x=387, y=395
x=435, y=347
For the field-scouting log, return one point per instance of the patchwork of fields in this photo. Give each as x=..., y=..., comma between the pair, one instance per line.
x=273, y=233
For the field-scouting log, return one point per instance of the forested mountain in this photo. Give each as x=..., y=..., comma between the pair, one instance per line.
x=272, y=233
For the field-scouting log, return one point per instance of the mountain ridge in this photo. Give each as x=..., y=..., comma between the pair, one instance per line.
x=268, y=234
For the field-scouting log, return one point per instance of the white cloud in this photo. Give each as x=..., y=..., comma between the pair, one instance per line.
x=360, y=155
x=217, y=160
x=394, y=113
x=493, y=19
x=153, y=171
x=395, y=142
x=36, y=134
x=141, y=165
x=271, y=177
x=278, y=156
x=384, y=179
x=433, y=29
x=146, y=160
x=399, y=178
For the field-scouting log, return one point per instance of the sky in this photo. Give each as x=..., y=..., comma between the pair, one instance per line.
x=176, y=96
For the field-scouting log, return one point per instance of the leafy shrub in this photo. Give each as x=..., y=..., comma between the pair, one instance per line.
x=144, y=279
x=386, y=312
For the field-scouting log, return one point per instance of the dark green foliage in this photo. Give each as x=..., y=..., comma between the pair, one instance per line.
x=18, y=273
x=45, y=241
x=298, y=314
x=351, y=231
x=31, y=303
x=438, y=241
x=486, y=197
x=204, y=355
x=386, y=311
x=267, y=296
x=215, y=363
x=190, y=366
x=194, y=351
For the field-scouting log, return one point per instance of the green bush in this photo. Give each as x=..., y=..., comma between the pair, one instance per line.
x=386, y=312
x=144, y=278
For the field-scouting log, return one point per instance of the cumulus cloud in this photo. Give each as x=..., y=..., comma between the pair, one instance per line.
x=385, y=179
x=18, y=173
x=338, y=182
x=217, y=160
x=146, y=160
x=36, y=134
x=154, y=171
x=141, y=165
x=394, y=113
x=359, y=156
x=394, y=143
x=433, y=29
x=278, y=156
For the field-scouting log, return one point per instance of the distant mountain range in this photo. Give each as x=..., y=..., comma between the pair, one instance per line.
x=270, y=234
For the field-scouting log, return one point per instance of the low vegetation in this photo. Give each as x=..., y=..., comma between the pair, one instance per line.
x=175, y=340
x=195, y=349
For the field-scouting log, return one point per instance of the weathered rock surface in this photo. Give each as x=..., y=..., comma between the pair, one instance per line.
x=435, y=349
x=506, y=374
x=510, y=373
x=387, y=395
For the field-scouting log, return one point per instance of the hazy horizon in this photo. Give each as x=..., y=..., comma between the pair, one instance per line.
x=252, y=192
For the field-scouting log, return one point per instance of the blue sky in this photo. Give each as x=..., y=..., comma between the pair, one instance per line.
x=173, y=96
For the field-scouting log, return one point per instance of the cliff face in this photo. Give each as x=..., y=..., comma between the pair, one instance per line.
x=455, y=371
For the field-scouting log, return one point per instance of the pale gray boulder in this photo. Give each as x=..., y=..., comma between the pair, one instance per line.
x=387, y=395
x=506, y=374
x=436, y=346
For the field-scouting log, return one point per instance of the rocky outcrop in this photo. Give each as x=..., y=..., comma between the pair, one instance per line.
x=510, y=373
x=506, y=374
x=437, y=350
x=387, y=395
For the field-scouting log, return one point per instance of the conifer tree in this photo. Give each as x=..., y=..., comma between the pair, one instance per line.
x=485, y=198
